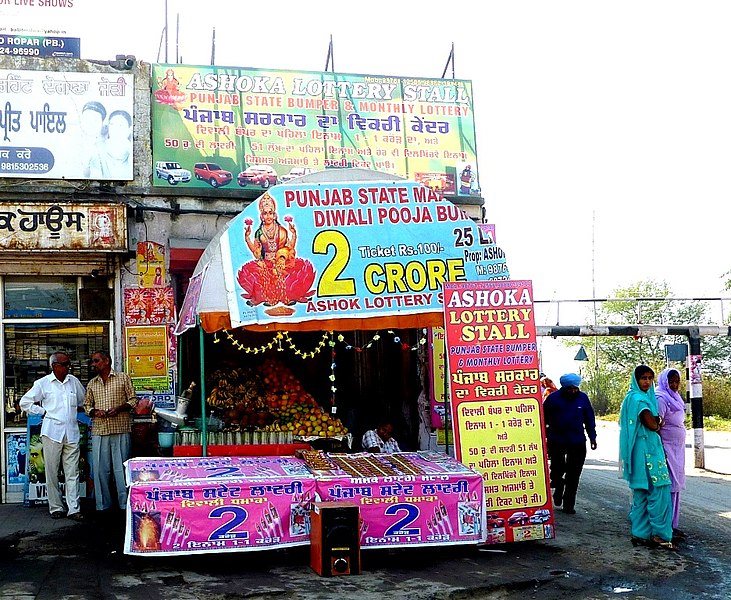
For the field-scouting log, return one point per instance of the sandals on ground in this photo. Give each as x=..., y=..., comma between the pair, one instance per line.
x=654, y=542
x=658, y=542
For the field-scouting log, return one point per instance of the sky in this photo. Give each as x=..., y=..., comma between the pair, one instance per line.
x=603, y=127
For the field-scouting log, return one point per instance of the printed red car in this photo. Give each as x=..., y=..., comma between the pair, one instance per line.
x=213, y=174
x=494, y=521
x=262, y=175
x=518, y=518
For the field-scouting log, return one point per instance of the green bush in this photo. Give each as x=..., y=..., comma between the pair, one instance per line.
x=717, y=397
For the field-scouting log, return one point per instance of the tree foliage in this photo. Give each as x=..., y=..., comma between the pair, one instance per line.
x=612, y=359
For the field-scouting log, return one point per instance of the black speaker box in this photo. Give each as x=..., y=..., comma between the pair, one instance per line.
x=335, y=539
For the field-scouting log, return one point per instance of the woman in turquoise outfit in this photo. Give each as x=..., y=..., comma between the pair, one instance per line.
x=642, y=463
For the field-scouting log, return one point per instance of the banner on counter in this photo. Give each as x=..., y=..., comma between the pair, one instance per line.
x=496, y=408
x=217, y=504
x=287, y=122
x=349, y=250
x=66, y=125
x=422, y=510
x=219, y=467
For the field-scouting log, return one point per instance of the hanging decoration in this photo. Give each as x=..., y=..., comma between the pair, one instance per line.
x=333, y=389
x=284, y=336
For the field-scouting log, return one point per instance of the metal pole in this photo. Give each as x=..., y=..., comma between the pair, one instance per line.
x=213, y=47
x=204, y=424
x=450, y=59
x=166, y=31
x=695, y=392
x=447, y=416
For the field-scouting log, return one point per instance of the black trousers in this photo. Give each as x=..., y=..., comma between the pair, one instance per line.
x=567, y=461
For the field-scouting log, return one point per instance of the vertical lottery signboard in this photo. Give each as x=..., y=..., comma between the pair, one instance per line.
x=496, y=409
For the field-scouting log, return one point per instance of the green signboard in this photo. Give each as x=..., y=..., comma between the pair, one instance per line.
x=253, y=128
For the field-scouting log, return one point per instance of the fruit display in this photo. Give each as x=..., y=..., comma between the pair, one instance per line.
x=269, y=398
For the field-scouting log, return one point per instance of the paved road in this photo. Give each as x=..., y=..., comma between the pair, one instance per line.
x=590, y=558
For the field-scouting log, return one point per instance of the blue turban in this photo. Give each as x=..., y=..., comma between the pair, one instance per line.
x=570, y=379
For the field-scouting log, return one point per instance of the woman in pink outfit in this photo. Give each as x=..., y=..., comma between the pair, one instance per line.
x=671, y=408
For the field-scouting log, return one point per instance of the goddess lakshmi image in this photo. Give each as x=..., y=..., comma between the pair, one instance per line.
x=276, y=277
x=169, y=92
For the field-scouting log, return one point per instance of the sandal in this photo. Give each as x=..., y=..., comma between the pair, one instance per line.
x=658, y=542
x=678, y=534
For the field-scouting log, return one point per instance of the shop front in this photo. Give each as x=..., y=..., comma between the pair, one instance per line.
x=59, y=270
x=340, y=280
x=301, y=293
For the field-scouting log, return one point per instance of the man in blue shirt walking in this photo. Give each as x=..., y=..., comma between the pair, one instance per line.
x=567, y=413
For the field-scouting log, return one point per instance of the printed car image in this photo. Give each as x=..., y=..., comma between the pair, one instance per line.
x=172, y=172
x=295, y=172
x=518, y=518
x=213, y=174
x=262, y=175
x=540, y=516
x=494, y=521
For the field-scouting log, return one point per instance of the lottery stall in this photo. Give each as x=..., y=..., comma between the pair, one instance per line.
x=349, y=253
x=406, y=498
x=365, y=252
x=191, y=505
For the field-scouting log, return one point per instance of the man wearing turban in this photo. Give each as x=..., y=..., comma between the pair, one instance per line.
x=568, y=413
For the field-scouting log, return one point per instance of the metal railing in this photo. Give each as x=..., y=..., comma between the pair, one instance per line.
x=716, y=304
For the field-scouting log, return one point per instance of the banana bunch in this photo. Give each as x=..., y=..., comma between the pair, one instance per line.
x=220, y=398
x=235, y=387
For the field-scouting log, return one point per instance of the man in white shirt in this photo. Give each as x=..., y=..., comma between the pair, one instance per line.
x=380, y=439
x=57, y=398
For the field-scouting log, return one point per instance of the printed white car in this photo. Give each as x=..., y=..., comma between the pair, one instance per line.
x=295, y=172
x=172, y=172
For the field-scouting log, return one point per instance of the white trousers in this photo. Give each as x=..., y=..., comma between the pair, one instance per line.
x=55, y=454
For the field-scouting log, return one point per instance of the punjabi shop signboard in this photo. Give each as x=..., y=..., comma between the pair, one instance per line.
x=215, y=126
x=496, y=408
x=315, y=252
x=62, y=226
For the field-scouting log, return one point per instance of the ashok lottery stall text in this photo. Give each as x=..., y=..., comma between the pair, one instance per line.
x=226, y=504
x=496, y=407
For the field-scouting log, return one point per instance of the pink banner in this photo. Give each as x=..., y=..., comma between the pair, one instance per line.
x=188, y=313
x=187, y=517
x=147, y=470
x=234, y=503
x=430, y=503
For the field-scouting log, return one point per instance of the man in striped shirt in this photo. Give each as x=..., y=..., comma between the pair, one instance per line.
x=110, y=396
x=380, y=439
